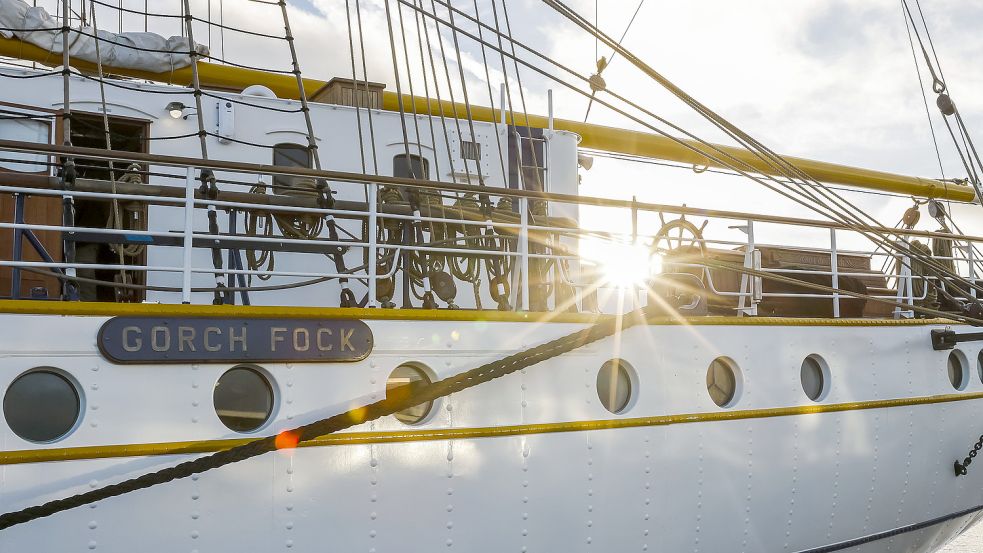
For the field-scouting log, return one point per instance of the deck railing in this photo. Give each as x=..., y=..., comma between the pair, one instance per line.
x=523, y=236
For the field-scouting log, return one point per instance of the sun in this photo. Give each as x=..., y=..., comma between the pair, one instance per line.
x=622, y=264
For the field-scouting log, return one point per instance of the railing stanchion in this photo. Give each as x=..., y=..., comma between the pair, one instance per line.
x=524, y=251
x=18, y=246
x=971, y=257
x=373, y=244
x=834, y=268
x=189, y=208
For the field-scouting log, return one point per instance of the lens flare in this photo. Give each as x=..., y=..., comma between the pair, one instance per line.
x=622, y=264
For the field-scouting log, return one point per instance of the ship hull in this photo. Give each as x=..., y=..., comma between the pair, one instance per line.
x=528, y=462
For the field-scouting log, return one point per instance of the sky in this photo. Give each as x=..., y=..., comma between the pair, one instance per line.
x=833, y=80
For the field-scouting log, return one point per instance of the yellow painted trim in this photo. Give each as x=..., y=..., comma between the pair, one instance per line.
x=599, y=137
x=107, y=309
x=354, y=438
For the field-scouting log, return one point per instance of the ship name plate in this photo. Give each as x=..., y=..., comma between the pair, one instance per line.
x=225, y=340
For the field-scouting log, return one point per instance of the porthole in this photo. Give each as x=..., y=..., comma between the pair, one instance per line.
x=723, y=382
x=614, y=385
x=243, y=399
x=42, y=405
x=407, y=379
x=814, y=376
x=979, y=365
x=956, y=366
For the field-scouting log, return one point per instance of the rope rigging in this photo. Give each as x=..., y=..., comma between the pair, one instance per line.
x=798, y=186
x=819, y=199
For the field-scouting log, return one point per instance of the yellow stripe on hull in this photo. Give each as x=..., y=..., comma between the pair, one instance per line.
x=355, y=438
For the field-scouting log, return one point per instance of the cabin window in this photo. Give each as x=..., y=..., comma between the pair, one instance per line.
x=411, y=167
x=405, y=381
x=723, y=381
x=25, y=128
x=814, y=375
x=42, y=405
x=290, y=155
x=956, y=365
x=243, y=399
x=614, y=385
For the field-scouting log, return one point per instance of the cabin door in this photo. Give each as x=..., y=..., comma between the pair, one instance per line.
x=128, y=135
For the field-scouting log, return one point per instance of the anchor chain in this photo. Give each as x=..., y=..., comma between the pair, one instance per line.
x=962, y=468
x=396, y=400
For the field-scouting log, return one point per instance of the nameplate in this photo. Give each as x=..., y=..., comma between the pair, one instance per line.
x=233, y=340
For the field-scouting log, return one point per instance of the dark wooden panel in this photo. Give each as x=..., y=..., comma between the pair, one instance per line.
x=39, y=210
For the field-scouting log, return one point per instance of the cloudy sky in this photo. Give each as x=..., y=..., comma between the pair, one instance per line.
x=832, y=80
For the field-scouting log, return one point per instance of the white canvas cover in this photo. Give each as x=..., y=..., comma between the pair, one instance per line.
x=144, y=51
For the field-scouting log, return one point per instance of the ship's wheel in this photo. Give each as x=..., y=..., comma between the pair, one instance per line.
x=679, y=237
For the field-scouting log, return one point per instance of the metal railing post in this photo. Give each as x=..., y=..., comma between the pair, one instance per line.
x=750, y=293
x=373, y=244
x=189, y=208
x=971, y=257
x=15, y=277
x=524, y=251
x=905, y=294
x=834, y=268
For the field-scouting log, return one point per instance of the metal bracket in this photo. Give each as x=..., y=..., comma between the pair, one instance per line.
x=947, y=339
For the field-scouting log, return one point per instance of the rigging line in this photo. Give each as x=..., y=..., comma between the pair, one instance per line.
x=399, y=92
x=651, y=161
x=613, y=52
x=921, y=88
x=358, y=111
x=221, y=28
x=755, y=147
x=522, y=100
x=970, y=148
x=436, y=86
x=195, y=82
x=871, y=234
x=447, y=76
x=505, y=71
x=68, y=169
x=426, y=94
x=962, y=157
x=733, y=163
x=467, y=101
x=522, y=97
x=491, y=95
x=301, y=91
x=938, y=84
x=931, y=43
x=409, y=80
x=121, y=250
x=365, y=82
x=408, y=235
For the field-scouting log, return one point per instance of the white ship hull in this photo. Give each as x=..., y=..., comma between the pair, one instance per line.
x=528, y=462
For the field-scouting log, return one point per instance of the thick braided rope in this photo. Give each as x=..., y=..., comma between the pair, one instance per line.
x=394, y=402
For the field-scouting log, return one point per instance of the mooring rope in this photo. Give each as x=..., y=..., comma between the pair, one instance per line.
x=396, y=400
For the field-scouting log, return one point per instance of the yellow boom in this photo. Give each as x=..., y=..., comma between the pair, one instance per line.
x=594, y=136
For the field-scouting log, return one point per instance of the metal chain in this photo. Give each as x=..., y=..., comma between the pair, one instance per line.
x=962, y=468
x=396, y=400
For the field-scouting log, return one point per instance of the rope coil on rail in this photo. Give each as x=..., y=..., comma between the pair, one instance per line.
x=396, y=400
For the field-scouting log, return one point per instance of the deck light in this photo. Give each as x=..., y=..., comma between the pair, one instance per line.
x=176, y=110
